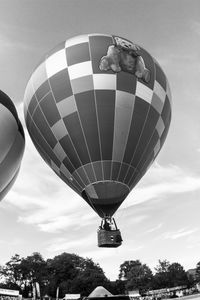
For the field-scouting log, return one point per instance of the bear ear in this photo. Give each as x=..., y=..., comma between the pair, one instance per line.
x=104, y=65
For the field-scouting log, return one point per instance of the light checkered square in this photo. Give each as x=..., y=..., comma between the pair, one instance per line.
x=77, y=40
x=144, y=92
x=160, y=126
x=39, y=76
x=59, y=129
x=104, y=81
x=67, y=106
x=80, y=70
x=56, y=62
x=59, y=152
x=157, y=103
x=157, y=148
x=159, y=91
x=169, y=92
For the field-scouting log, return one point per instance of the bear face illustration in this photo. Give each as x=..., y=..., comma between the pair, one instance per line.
x=118, y=59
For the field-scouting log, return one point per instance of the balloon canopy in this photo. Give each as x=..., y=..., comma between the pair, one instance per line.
x=98, y=109
x=11, y=144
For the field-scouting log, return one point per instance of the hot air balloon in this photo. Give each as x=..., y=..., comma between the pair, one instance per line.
x=12, y=143
x=98, y=109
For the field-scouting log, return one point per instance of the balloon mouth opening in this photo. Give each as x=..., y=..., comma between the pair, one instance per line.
x=105, y=197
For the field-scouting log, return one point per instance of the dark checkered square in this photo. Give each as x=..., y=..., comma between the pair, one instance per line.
x=77, y=54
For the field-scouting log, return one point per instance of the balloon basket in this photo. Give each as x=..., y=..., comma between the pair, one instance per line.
x=109, y=236
x=109, y=239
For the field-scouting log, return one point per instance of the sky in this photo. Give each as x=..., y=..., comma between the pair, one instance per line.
x=160, y=217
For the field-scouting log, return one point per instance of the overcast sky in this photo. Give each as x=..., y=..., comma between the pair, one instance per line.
x=160, y=218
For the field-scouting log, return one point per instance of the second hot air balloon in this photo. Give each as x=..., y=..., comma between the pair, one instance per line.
x=12, y=143
x=98, y=109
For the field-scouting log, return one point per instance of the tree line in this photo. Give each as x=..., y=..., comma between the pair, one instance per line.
x=74, y=274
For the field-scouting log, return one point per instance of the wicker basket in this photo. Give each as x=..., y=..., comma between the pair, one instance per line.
x=111, y=238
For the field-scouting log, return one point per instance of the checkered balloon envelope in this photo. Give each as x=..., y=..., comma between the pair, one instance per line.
x=98, y=110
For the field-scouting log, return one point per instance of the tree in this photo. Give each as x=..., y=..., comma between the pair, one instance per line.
x=68, y=272
x=169, y=275
x=177, y=275
x=72, y=273
x=117, y=287
x=34, y=268
x=161, y=277
x=138, y=276
x=89, y=277
x=126, y=267
x=62, y=269
x=198, y=272
x=12, y=273
x=163, y=266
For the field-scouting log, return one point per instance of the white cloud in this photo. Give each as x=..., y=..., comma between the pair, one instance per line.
x=193, y=241
x=64, y=221
x=195, y=26
x=66, y=244
x=179, y=233
x=161, y=182
x=7, y=44
x=44, y=201
x=106, y=253
x=138, y=219
x=154, y=228
x=12, y=243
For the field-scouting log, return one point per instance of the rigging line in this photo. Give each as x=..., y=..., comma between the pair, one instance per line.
x=90, y=201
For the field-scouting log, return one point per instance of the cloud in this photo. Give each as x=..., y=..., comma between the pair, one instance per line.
x=8, y=44
x=62, y=222
x=66, y=244
x=5, y=41
x=193, y=242
x=154, y=228
x=44, y=201
x=12, y=243
x=179, y=233
x=162, y=181
x=105, y=254
x=195, y=26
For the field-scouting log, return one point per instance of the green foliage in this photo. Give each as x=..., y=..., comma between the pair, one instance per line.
x=74, y=274
x=70, y=272
x=169, y=275
x=126, y=267
x=163, y=266
x=161, y=277
x=177, y=275
x=138, y=276
x=198, y=272
x=12, y=271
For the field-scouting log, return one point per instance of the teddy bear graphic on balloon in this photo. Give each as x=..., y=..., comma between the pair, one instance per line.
x=125, y=59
